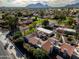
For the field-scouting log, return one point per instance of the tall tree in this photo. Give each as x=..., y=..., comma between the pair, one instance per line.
x=12, y=22
x=40, y=54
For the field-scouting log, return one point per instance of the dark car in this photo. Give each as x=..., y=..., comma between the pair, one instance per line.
x=5, y=46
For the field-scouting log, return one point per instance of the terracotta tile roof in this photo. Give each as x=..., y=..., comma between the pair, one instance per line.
x=33, y=41
x=53, y=40
x=69, y=49
x=47, y=46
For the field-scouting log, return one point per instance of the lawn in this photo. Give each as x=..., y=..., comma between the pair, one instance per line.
x=27, y=32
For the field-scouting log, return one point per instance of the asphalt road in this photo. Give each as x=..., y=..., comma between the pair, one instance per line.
x=3, y=53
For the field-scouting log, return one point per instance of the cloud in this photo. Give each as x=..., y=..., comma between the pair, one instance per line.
x=62, y=1
x=57, y=3
x=26, y=2
x=19, y=1
x=12, y=3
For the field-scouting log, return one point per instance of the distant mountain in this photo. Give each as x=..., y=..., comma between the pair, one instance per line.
x=73, y=5
x=37, y=5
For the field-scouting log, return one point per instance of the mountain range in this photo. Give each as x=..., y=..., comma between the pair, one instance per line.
x=40, y=5
x=73, y=5
x=37, y=5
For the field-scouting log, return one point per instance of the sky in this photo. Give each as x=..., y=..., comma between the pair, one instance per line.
x=23, y=3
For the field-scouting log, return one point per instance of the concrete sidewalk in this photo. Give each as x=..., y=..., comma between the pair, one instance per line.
x=13, y=51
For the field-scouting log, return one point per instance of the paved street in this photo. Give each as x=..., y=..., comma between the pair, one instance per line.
x=12, y=52
x=3, y=52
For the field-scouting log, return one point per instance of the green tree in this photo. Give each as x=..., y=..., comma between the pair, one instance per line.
x=37, y=53
x=19, y=40
x=17, y=34
x=45, y=23
x=19, y=14
x=30, y=26
x=11, y=21
x=70, y=38
x=40, y=54
x=26, y=46
x=58, y=35
x=69, y=21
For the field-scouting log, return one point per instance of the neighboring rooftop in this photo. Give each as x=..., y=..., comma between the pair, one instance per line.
x=47, y=46
x=68, y=48
x=36, y=41
x=66, y=29
x=45, y=30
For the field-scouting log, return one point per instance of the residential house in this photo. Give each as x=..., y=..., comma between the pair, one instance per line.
x=45, y=31
x=76, y=53
x=66, y=30
x=47, y=46
x=67, y=48
x=35, y=41
x=26, y=22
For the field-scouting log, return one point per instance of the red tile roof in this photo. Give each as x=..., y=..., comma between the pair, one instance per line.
x=47, y=46
x=68, y=48
x=33, y=41
x=53, y=40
